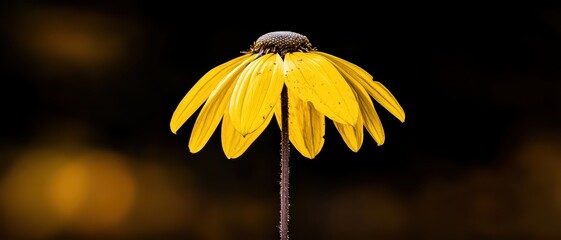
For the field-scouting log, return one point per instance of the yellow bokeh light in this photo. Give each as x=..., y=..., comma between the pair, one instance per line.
x=23, y=196
x=109, y=195
x=86, y=192
x=67, y=190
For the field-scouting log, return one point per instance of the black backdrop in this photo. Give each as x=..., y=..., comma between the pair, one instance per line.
x=476, y=157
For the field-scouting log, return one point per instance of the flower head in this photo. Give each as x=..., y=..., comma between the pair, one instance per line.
x=244, y=94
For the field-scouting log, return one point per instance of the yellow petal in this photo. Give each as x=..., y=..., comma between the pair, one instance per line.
x=312, y=78
x=306, y=126
x=378, y=91
x=213, y=110
x=256, y=93
x=352, y=135
x=202, y=89
x=339, y=61
x=278, y=114
x=371, y=120
x=235, y=144
x=383, y=96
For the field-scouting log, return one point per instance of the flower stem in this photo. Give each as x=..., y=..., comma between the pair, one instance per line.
x=284, y=183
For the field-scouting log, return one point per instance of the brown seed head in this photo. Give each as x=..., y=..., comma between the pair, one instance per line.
x=281, y=42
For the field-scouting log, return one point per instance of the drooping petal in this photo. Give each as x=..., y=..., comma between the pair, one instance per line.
x=235, y=144
x=256, y=93
x=213, y=110
x=374, y=88
x=383, y=96
x=370, y=116
x=202, y=89
x=306, y=126
x=352, y=135
x=339, y=61
x=314, y=79
x=371, y=120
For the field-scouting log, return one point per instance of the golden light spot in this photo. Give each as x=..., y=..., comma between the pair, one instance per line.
x=109, y=194
x=68, y=188
x=24, y=190
x=63, y=39
x=82, y=191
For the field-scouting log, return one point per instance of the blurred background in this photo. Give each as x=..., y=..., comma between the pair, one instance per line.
x=89, y=89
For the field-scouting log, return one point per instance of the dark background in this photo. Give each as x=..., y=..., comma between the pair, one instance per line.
x=89, y=88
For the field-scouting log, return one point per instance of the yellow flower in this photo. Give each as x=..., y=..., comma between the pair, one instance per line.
x=244, y=93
